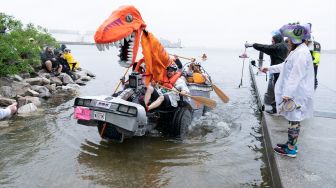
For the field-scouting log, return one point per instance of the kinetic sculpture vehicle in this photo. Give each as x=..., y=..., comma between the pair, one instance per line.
x=121, y=116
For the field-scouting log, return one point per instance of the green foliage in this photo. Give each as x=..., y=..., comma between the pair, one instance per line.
x=20, y=46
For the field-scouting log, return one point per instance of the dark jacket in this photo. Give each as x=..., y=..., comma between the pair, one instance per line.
x=45, y=56
x=278, y=51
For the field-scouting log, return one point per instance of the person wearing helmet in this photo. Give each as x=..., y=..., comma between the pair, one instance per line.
x=277, y=51
x=295, y=84
x=162, y=97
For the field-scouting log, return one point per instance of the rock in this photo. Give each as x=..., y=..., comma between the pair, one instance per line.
x=28, y=108
x=4, y=124
x=28, y=99
x=7, y=91
x=86, y=78
x=34, y=81
x=66, y=79
x=20, y=87
x=80, y=82
x=51, y=87
x=45, y=75
x=56, y=80
x=6, y=101
x=76, y=86
x=17, y=78
x=42, y=90
x=25, y=75
x=45, y=81
x=90, y=74
x=31, y=92
x=42, y=72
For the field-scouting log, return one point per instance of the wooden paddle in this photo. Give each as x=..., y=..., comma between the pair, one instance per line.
x=181, y=57
x=218, y=91
x=206, y=101
x=120, y=80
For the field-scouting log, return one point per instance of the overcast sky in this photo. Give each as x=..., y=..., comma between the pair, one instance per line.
x=211, y=23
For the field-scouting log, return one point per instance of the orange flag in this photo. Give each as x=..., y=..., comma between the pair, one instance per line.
x=156, y=58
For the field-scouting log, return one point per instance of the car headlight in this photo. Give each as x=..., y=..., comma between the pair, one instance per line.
x=123, y=108
x=127, y=109
x=132, y=111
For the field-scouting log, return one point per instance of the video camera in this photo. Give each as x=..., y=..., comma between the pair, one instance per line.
x=135, y=80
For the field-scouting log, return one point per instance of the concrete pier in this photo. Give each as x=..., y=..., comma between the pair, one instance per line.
x=315, y=163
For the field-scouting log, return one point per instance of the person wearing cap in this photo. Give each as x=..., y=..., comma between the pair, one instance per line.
x=277, y=51
x=163, y=97
x=295, y=85
x=10, y=110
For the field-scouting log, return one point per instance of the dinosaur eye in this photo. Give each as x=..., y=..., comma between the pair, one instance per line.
x=129, y=18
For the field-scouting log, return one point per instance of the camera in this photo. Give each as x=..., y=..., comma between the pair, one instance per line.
x=135, y=80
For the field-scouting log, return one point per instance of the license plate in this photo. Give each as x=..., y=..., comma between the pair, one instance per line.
x=99, y=115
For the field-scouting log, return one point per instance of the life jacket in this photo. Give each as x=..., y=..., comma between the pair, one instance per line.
x=316, y=53
x=198, y=78
x=170, y=82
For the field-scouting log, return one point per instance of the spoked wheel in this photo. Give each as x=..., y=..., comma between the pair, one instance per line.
x=109, y=131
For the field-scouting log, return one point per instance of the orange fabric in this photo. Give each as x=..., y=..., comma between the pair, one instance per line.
x=169, y=83
x=156, y=58
x=198, y=78
x=116, y=27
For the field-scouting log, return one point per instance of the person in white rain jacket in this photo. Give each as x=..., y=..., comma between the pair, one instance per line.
x=10, y=110
x=295, y=86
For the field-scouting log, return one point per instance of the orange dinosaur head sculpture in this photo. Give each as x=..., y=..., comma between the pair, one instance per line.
x=122, y=29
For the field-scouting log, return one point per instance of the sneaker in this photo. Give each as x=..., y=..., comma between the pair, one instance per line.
x=285, y=152
x=283, y=146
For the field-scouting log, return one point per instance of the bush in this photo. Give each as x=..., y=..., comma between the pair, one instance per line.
x=21, y=45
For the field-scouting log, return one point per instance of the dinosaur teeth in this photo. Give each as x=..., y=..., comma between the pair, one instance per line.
x=130, y=50
x=122, y=42
x=107, y=46
x=98, y=47
x=133, y=34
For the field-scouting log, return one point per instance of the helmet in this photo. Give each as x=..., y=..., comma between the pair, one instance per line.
x=296, y=32
x=172, y=67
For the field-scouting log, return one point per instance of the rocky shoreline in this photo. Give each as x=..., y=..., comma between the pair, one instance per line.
x=31, y=91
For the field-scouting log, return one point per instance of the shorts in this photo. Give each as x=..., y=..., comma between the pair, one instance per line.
x=54, y=64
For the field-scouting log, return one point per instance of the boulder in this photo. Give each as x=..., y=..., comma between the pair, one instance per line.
x=28, y=108
x=86, y=78
x=7, y=91
x=90, y=74
x=25, y=75
x=31, y=92
x=56, y=80
x=6, y=101
x=66, y=79
x=20, y=87
x=51, y=87
x=43, y=91
x=28, y=99
x=80, y=82
x=34, y=81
